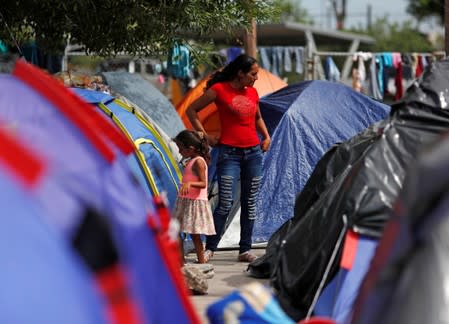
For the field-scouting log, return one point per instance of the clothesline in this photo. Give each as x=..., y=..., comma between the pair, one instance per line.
x=322, y=53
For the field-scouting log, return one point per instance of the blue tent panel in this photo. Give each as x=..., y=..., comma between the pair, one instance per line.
x=42, y=280
x=338, y=297
x=164, y=172
x=305, y=119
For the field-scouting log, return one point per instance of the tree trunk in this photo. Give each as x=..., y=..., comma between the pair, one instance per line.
x=250, y=40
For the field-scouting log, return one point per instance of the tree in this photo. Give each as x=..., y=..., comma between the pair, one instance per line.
x=340, y=13
x=394, y=37
x=137, y=27
x=293, y=11
x=422, y=9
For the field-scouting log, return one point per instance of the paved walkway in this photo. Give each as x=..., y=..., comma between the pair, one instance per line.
x=229, y=276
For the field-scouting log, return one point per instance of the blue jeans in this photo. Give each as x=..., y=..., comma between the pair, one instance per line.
x=234, y=164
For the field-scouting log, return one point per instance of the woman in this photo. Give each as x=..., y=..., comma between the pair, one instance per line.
x=239, y=146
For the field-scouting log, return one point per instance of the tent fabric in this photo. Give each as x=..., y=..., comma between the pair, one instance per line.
x=360, y=179
x=305, y=120
x=265, y=84
x=42, y=280
x=337, y=299
x=146, y=96
x=40, y=274
x=153, y=163
x=253, y=303
x=405, y=283
x=90, y=171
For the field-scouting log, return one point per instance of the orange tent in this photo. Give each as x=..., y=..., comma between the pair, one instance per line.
x=265, y=84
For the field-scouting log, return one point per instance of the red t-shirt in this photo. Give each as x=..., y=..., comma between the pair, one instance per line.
x=237, y=110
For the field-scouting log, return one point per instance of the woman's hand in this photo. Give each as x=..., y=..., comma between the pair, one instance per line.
x=266, y=144
x=212, y=140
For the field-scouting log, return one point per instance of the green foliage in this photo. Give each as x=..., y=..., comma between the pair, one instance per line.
x=137, y=27
x=397, y=37
x=422, y=9
x=293, y=11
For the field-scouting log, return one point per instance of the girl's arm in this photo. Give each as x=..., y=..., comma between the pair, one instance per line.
x=199, y=168
x=262, y=128
x=199, y=104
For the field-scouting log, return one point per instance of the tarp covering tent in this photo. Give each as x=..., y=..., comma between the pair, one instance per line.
x=146, y=96
x=87, y=157
x=43, y=280
x=353, y=187
x=265, y=84
x=153, y=163
x=305, y=120
x=406, y=282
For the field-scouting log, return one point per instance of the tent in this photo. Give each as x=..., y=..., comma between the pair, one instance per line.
x=265, y=84
x=305, y=120
x=405, y=283
x=353, y=187
x=153, y=163
x=406, y=280
x=42, y=280
x=146, y=96
x=93, y=190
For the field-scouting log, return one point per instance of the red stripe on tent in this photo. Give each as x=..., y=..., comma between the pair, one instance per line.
x=349, y=250
x=172, y=259
x=64, y=100
x=114, y=287
x=18, y=160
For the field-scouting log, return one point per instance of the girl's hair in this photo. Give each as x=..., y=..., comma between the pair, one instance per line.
x=242, y=63
x=195, y=139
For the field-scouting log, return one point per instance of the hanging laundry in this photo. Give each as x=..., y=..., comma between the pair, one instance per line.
x=397, y=64
x=331, y=70
x=232, y=53
x=419, y=66
x=265, y=54
x=276, y=60
x=298, y=54
x=373, y=88
x=178, y=63
x=287, y=59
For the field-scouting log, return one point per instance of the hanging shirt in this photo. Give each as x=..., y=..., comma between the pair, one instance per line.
x=237, y=110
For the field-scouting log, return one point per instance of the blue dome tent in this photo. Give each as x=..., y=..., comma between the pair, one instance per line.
x=87, y=158
x=153, y=163
x=43, y=280
x=146, y=96
x=304, y=119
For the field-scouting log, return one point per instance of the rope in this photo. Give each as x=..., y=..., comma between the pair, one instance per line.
x=328, y=267
x=11, y=34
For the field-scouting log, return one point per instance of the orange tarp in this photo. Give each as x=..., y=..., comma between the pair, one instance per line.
x=265, y=84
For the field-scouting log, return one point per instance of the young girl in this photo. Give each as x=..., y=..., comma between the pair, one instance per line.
x=192, y=207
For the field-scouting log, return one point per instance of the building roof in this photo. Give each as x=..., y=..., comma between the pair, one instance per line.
x=292, y=34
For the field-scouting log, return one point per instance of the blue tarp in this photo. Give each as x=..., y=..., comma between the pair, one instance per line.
x=305, y=120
